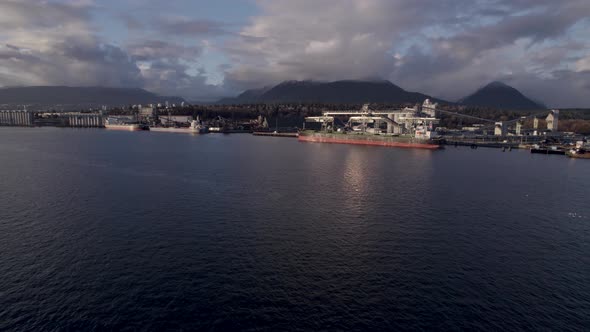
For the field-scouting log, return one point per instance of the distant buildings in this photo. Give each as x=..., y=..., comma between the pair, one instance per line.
x=16, y=118
x=552, y=120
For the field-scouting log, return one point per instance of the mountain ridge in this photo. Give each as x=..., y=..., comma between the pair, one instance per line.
x=500, y=95
x=343, y=91
x=56, y=95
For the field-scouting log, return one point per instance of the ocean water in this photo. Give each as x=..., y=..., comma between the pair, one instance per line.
x=155, y=231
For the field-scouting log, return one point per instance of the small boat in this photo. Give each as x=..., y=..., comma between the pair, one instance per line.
x=582, y=150
x=547, y=149
x=578, y=153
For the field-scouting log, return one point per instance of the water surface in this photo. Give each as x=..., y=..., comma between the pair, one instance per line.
x=123, y=230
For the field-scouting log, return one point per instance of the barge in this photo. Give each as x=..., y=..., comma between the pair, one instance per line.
x=194, y=128
x=116, y=124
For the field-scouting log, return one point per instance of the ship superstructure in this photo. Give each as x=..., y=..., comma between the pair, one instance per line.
x=407, y=127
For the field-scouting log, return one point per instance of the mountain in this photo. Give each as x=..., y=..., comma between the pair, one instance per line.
x=248, y=96
x=63, y=95
x=500, y=95
x=329, y=92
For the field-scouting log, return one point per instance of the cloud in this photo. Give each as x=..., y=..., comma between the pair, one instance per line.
x=158, y=49
x=443, y=48
x=36, y=14
x=583, y=64
x=170, y=77
x=51, y=43
x=447, y=49
x=187, y=26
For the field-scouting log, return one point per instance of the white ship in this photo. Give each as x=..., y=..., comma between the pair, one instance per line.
x=194, y=128
x=116, y=124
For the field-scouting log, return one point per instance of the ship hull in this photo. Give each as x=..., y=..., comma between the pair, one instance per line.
x=131, y=127
x=372, y=140
x=578, y=155
x=178, y=130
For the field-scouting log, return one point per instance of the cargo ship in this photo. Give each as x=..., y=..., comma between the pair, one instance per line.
x=194, y=128
x=370, y=139
x=404, y=128
x=116, y=124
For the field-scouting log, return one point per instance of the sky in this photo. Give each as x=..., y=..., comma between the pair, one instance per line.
x=204, y=50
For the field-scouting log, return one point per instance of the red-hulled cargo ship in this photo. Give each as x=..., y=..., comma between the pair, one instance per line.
x=404, y=128
x=367, y=139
